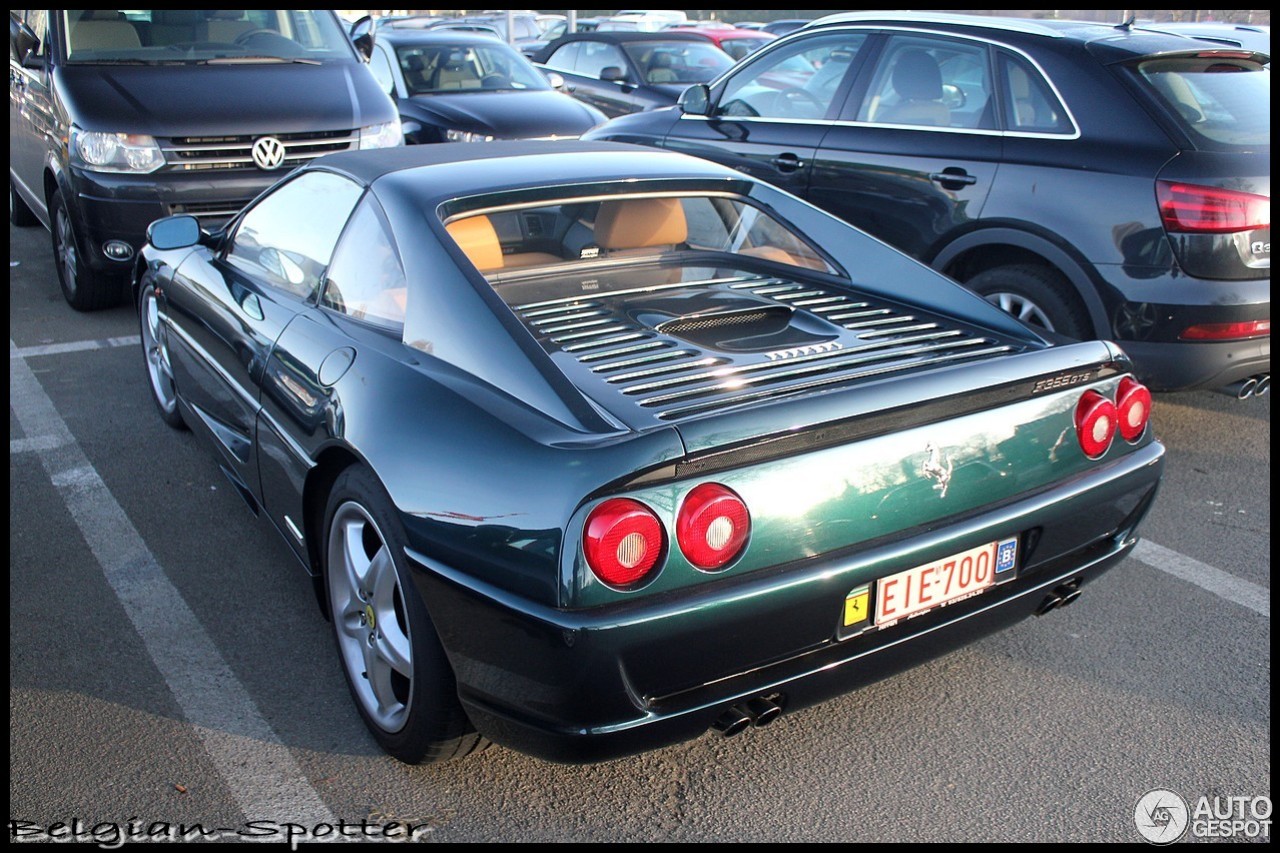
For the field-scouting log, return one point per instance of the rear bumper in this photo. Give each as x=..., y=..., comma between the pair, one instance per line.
x=1149, y=312
x=591, y=685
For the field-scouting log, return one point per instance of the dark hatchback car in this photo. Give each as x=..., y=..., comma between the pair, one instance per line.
x=627, y=72
x=120, y=117
x=591, y=449
x=1095, y=181
x=454, y=86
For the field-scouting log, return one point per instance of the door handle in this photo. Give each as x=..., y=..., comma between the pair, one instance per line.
x=787, y=162
x=953, y=178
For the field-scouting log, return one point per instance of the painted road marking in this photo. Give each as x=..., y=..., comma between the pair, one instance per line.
x=258, y=769
x=73, y=346
x=1220, y=583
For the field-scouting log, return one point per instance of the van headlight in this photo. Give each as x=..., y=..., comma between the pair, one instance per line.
x=386, y=135
x=99, y=151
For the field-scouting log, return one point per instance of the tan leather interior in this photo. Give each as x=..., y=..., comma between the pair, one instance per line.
x=478, y=240
x=640, y=223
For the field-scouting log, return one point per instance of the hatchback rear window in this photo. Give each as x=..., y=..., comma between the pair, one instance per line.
x=1219, y=98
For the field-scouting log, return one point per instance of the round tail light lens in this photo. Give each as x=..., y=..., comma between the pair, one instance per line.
x=1095, y=423
x=1133, y=408
x=712, y=526
x=622, y=541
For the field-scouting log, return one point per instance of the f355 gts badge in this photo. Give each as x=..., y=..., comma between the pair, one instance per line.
x=937, y=468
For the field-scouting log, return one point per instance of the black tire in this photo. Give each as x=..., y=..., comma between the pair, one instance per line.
x=416, y=718
x=20, y=214
x=83, y=290
x=1038, y=296
x=156, y=359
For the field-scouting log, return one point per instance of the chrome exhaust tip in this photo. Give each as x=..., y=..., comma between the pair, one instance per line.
x=1263, y=385
x=733, y=721
x=763, y=711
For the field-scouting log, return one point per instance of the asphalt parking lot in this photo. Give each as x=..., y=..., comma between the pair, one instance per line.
x=168, y=664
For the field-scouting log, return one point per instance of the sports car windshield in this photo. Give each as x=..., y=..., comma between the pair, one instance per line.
x=202, y=36
x=450, y=69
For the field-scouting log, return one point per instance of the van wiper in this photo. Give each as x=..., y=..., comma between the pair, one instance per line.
x=232, y=60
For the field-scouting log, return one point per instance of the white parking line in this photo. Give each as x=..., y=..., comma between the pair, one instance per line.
x=1220, y=583
x=72, y=346
x=258, y=769
x=33, y=445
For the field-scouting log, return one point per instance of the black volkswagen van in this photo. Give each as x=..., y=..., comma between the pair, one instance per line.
x=117, y=118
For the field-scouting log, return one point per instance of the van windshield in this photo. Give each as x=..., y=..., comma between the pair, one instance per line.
x=165, y=36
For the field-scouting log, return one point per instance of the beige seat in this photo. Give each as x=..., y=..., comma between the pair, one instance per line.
x=173, y=26
x=456, y=73
x=637, y=226
x=102, y=29
x=225, y=25
x=660, y=69
x=918, y=84
x=478, y=240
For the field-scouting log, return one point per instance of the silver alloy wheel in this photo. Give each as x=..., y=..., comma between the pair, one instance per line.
x=155, y=344
x=1022, y=308
x=68, y=259
x=369, y=614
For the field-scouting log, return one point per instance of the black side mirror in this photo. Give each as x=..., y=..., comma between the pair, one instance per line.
x=613, y=74
x=174, y=232
x=362, y=37
x=696, y=100
x=25, y=43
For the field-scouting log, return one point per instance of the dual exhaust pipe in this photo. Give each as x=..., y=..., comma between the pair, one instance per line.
x=1061, y=596
x=757, y=712
x=1254, y=386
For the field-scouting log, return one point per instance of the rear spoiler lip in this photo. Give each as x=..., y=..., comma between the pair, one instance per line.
x=800, y=424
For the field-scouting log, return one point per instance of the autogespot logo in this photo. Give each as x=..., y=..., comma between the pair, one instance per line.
x=1161, y=816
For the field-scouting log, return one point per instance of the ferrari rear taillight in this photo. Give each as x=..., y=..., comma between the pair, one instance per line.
x=712, y=526
x=1133, y=409
x=1194, y=209
x=622, y=541
x=1095, y=423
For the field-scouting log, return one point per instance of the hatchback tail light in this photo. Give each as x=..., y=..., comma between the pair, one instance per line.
x=622, y=541
x=1227, y=331
x=1192, y=209
x=1095, y=423
x=712, y=526
x=1133, y=409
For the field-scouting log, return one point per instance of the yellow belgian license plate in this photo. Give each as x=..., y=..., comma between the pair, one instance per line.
x=917, y=590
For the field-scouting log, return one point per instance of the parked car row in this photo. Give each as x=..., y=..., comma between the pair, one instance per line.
x=1094, y=181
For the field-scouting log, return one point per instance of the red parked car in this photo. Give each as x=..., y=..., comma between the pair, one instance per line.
x=733, y=41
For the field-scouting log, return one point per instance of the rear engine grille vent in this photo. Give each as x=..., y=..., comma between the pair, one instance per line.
x=673, y=378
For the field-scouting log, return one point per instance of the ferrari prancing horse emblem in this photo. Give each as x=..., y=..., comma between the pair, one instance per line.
x=937, y=468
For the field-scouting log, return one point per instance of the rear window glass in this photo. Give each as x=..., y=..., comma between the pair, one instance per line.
x=1220, y=99
x=587, y=233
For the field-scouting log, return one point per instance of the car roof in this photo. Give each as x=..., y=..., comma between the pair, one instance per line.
x=1111, y=43
x=521, y=163
x=446, y=35
x=622, y=36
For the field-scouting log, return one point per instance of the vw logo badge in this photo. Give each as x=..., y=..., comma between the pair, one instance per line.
x=268, y=153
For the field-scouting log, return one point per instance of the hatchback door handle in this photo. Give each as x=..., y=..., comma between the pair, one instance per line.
x=787, y=162
x=952, y=175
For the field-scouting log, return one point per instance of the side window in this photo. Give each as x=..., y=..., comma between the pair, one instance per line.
x=380, y=67
x=1029, y=102
x=286, y=239
x=799, y=81
x=566, y=58
x=366, y=280
x=596, y=56
x=930, y=82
